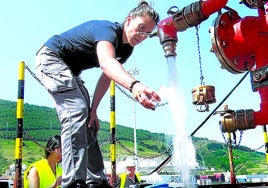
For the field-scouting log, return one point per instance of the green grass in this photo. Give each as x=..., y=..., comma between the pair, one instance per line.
x=30, y=153
x=41, y=122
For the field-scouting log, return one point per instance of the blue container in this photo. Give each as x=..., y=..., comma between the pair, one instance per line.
x=157, y=185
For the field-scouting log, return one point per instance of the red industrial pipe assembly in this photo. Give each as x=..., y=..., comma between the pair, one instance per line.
x=240, y=44
x=180, y=20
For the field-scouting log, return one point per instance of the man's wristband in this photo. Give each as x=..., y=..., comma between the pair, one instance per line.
x=132, y=85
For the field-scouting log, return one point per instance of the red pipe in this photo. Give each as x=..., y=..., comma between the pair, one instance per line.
x=249, y=36
x=211, y=6
x=208, y=7
x=261, y=117
x=261, y=43
x=168, y=27
x=261, y=12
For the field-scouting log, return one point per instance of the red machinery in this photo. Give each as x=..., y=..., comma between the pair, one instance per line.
x=239, y=44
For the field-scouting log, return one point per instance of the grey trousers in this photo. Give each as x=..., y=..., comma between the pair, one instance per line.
x=81, y=155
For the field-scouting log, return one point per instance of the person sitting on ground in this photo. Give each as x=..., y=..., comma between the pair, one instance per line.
x=129, y=177
x=46, y=173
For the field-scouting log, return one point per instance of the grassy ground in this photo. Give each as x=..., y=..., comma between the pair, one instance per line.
x=30, y=153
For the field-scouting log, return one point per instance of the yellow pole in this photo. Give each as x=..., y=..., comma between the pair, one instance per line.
x=265, y=142
x=112, y=131
x=20, y=115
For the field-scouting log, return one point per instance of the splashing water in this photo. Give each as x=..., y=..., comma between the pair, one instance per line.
x=184, y=151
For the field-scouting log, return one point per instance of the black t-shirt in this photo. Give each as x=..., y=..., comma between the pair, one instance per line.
x=77, y=46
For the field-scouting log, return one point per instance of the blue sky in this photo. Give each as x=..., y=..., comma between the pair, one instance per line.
x=26, y=25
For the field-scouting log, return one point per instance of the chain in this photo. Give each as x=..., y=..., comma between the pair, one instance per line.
x=132, y=153
x=123, y=91
x=32, y=139
x=239, y=142
x=199, y=56
x=234, y=136
x=102, y=145
x=33, y=75
x=105, y=142
x=259, y=148
x=234, y=140
x=144, y=157
x=240, y=138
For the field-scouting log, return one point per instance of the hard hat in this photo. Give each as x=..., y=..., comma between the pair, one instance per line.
x=130, y=162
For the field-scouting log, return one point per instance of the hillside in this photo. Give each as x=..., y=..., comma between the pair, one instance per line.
x=41, y=122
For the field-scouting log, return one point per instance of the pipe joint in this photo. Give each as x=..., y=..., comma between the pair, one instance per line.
x=260, y=74
x=169, y=48
x=232, y=121
x=259, y=78
x=189, y=16
x=168, y=43
x=253, y=4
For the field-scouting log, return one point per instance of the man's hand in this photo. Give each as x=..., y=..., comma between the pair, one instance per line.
x=94, y=119
x=145, y=96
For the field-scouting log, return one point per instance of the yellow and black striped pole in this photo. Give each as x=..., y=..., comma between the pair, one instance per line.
x=265, y=142
x=19, y=114
x=112, y=131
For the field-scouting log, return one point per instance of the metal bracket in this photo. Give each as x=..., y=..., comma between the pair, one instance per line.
x=259, y=78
